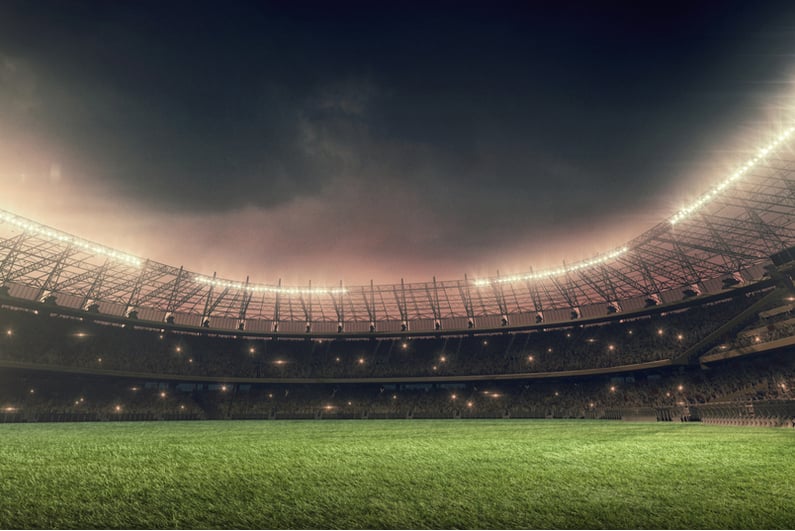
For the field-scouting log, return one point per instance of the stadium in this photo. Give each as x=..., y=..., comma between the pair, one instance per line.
x=648, y=385
x=650, y=330
x=689, y=322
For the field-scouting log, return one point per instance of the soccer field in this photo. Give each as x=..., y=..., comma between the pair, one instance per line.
x=395, y=474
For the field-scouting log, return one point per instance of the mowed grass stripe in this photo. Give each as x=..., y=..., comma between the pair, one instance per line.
x=395, y=474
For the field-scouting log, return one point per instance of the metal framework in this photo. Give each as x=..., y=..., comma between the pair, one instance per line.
x=730, y=236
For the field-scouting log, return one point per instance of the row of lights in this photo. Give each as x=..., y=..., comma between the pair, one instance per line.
x=40, y=230
x=261, y=288
x=683, y=213
x=548, y=273
x=739, y=172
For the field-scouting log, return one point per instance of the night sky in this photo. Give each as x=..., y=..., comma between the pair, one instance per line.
x=341, y=141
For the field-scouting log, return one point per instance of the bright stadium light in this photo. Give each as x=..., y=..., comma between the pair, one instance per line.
x=548, y=273
x=31, y=227
x=737, y=174
x=261, y=288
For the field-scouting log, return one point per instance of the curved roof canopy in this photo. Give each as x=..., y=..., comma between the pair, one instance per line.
x=723, y=238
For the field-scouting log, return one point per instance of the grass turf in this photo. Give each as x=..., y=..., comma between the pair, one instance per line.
x=395, y=474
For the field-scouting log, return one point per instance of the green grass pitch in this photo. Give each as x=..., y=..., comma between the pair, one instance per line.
x=396, y=474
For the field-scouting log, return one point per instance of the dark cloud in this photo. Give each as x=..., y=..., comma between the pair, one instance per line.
x=442, y=138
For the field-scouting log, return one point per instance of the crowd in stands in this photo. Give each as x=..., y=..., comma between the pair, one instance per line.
x=58, y=343
x=77, y=343
x=771, y=325
x=32, y=395
x=54, y=397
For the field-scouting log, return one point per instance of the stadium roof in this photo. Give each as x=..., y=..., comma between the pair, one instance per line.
x=724, y=238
